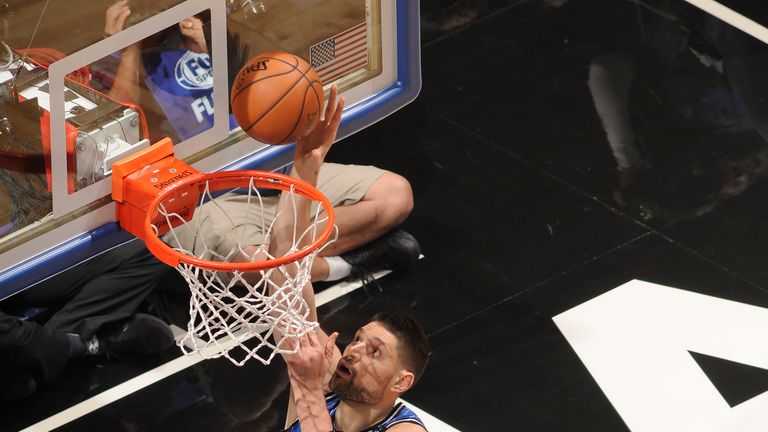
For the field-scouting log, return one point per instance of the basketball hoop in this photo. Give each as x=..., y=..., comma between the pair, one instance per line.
x=242, y=297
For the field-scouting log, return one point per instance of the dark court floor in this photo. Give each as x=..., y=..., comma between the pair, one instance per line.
x=558, y=150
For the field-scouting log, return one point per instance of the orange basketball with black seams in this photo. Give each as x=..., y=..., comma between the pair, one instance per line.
x=276, y=98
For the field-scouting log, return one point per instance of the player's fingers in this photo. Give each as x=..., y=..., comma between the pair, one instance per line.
x=305, y=341
x=330, y=344
x=331, y=103
x=289, y=344
x=288, y=352
x=334, y=123
x=312, y=339
x=299, y=344
x=332, y=96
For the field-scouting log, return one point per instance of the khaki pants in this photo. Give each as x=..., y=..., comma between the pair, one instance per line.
x=220, y=227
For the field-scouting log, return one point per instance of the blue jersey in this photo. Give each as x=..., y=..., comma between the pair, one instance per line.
x=399, y=414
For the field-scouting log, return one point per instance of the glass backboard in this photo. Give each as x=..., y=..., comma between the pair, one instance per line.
x=86, y=83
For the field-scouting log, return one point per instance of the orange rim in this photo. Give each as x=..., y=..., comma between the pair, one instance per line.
x=262, y=179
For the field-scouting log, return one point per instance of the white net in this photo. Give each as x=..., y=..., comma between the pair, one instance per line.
x=236, y=314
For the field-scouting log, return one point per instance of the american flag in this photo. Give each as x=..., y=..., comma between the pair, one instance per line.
x=340, y=54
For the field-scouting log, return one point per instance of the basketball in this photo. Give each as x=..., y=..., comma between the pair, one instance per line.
x=276, y=98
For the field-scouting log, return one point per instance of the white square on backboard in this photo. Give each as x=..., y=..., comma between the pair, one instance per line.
x=63, y=202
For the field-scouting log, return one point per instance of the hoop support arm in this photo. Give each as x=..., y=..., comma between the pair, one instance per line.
x=138, y=179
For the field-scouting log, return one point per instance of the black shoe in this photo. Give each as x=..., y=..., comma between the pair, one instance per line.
x=143, y=334
x=394, y=250
x=18, y=385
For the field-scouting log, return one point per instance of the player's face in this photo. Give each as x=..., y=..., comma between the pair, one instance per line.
x=368, y=365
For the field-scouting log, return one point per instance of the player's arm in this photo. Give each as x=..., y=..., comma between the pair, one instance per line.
x=293, y=211
x=293, y=413
x=307, y=371
x=309, y=156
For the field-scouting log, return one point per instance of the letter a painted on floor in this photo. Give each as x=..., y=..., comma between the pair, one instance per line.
x=636, y=341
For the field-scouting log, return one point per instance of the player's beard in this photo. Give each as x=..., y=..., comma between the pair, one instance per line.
x=346, y=389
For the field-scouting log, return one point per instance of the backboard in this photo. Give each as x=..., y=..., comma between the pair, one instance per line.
x=74, y=102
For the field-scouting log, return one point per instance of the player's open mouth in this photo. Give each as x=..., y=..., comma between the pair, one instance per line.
x=342, y=370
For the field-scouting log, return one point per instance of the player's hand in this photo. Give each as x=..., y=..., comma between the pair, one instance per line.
x=116, y=16
x=311, y=150
x=309, y=367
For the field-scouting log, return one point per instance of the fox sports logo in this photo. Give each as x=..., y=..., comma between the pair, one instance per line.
x=194, y=71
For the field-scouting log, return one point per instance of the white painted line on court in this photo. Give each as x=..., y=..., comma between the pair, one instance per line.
x=124, y=389
x=343, y=288
x=117, y=392
x=733, y=18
